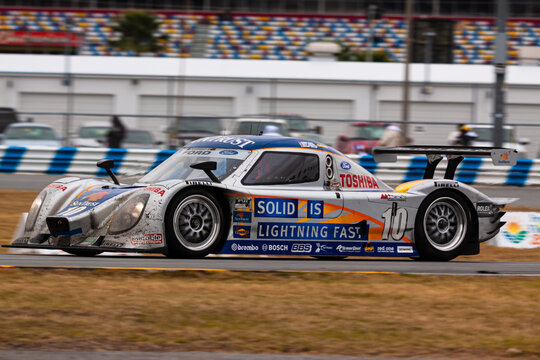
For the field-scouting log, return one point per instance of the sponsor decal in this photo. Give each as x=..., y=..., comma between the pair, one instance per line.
x=242, y=216
x=315, y=209
x=515, y=233
x=321, y=248
x=386, y=249
x=285, y=231
x=147, y=239
x=404, y=250
x=349, y=249
x=155, y=189
x=241, y=231
x=85, y=203
x=228, y=152
x=90, y=240
x=358, y=181
x=345, y=165
x=369, y=248
x=301, y=248
x=112, y=244
x=307, y=144
x=235, y=141
x=278, y=208
x=485, y=209
x=242, y=203
x=275, y=247
x=58, y=186
x=197, y=152
x=454, y=184
x=240, y=247
x=96, y=196
x=504, y=158
x=393, y=197
x=198, y=182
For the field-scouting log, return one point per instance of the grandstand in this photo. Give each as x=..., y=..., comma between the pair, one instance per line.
x=257, y=36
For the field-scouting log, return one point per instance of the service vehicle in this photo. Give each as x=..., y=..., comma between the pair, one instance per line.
x=30, y=133
x=272, y=196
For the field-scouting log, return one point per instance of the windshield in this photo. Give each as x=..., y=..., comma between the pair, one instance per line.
x=199, y=124
x=255, y=127
x=93, y=132
x=139, y=137
x=30, y=133
x=486, y=134
x=369, y=132
x=178, y=165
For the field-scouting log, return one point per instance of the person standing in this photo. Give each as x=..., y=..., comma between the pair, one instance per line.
x=392, y=136
x=116, y=134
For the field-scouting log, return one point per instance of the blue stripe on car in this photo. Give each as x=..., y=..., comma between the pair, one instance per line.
x=12, y=158
x=62, y=160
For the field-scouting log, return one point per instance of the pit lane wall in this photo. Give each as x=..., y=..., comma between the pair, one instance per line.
x=130, y=162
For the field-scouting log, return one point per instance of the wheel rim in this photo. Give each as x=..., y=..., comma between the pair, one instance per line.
x=444, y=224
x=196, y=222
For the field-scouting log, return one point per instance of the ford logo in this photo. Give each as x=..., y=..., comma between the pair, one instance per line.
x=228, y=152
x=345, y=165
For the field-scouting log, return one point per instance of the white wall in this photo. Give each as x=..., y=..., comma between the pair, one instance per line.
x=329, y=90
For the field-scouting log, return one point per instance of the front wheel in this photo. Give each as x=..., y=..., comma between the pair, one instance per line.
x=195, y=225
x=443, y=226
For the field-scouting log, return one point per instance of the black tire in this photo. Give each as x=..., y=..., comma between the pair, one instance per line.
x=195, y=225
x=84, y=252
x=443, y=226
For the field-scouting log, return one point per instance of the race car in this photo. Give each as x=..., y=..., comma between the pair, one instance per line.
x=272, y=196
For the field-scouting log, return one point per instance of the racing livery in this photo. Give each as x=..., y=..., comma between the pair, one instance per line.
x=269, y=195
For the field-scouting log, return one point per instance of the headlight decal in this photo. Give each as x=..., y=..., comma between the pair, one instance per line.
x=129, y=214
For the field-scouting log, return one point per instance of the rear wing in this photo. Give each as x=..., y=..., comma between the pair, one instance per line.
x=454, y=155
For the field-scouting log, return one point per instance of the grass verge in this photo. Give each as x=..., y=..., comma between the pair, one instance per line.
x=353, y=314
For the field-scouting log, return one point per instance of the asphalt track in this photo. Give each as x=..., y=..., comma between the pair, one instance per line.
x=528, y=196
x=352, y=265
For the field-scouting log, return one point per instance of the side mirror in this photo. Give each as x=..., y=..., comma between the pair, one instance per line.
x=207, y=167
x=524, y=141
x=158, y=143
x=318, y=130
x=108, y=164
x=343, y=138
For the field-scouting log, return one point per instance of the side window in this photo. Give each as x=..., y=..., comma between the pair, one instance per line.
x=274, y=168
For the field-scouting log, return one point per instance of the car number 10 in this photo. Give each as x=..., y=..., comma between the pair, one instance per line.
x=397, y=223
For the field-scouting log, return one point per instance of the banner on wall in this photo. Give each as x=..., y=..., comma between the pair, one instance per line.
x=522, y=230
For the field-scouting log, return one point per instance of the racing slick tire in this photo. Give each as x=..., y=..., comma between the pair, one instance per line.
x=195, y=225
x=84, y=252
x=443, y=226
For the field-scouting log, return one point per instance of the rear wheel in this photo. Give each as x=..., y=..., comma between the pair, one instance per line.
x=443, y=226
x=195, y=225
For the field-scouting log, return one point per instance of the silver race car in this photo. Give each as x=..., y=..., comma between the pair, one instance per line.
x=273, y=196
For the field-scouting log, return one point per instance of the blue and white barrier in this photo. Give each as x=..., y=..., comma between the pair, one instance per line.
x=129, y=162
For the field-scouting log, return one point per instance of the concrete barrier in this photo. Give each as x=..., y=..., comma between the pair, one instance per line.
x=128, y=162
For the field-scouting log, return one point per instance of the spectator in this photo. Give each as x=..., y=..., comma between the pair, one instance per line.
x=466, y=136
x=392, y=136
x=116, y=134
x=453, y=137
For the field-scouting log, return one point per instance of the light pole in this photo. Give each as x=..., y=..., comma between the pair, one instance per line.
x=405, y=107
x=428, y=51
x=500, y=70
